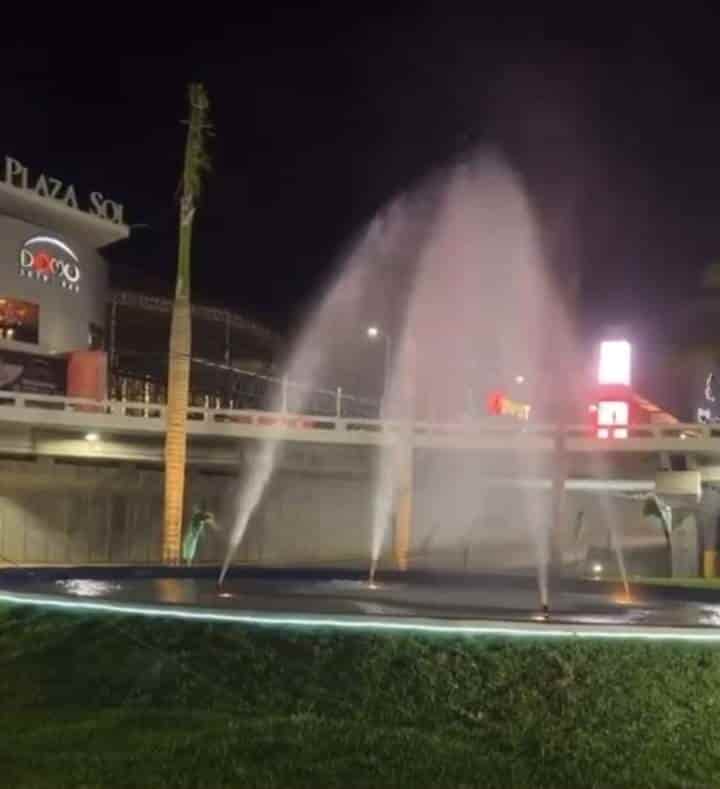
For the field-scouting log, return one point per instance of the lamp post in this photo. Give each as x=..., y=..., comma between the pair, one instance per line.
x=375, y=333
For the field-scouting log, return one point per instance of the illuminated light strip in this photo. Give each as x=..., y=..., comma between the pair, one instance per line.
x=634, y=632
x=50, y=240
x=634, y=485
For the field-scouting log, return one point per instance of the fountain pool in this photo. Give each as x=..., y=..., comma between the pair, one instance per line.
x=337, y=596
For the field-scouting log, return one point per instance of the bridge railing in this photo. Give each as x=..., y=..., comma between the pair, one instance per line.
x=14, y=404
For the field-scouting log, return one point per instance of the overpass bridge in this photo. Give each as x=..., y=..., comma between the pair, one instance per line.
x=27, y=419
x=79, y=462
x=51, y=427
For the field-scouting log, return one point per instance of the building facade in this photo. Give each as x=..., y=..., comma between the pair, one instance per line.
x=53, y=278
x=57, y=303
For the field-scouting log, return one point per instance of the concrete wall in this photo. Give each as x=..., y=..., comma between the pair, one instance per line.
x=472, y=512
x=64, y=316
x=57, y=513
x=317, y=510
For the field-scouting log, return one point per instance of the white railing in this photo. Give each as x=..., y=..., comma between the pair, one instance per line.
x=13, y=403
x=43, y=409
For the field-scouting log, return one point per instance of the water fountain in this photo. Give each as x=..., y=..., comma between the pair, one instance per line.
x=617, y=548
x=455, y=270
x=600, y=469
x=321, y=348
x=469, y=283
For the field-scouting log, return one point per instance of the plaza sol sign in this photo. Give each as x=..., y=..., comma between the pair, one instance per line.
x=17, y=175
x=48, y=259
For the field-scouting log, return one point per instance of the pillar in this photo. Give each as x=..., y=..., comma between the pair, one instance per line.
x=709, y=515
x=402, y=532
x=709, y=563
x=558, y=504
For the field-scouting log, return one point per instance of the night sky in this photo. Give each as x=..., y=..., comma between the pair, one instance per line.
x=321, y=119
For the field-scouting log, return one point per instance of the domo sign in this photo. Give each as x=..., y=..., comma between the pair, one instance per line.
x=50, y=260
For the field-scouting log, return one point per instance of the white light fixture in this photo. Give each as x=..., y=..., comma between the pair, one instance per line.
x=373, y=332
x=519, y=379
x=614, y=362
x=91, y=437
x=597, y=568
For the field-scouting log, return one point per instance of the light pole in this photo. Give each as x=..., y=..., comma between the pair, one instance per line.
x=375, y=333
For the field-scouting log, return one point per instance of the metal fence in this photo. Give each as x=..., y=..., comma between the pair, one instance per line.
x=224, y=386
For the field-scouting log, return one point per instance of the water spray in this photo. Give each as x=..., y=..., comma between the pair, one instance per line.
x=371, y=576
x=626, y=586
x=544, y=605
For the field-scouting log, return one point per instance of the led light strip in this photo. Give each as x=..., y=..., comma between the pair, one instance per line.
x=358, y=624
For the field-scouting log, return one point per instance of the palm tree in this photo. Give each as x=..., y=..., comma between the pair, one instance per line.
x=196, y=163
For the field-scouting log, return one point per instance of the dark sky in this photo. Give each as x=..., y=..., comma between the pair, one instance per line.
x=322, y=117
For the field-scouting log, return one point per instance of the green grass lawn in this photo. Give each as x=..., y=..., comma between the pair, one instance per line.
x=103, y=701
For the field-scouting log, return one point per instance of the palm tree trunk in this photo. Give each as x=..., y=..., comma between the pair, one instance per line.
x=176, y=436
x=180, y=335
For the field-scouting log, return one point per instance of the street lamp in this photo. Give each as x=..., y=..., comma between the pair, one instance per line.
x=375, y=333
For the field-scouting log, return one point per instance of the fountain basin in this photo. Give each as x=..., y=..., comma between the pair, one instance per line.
x=330, y=592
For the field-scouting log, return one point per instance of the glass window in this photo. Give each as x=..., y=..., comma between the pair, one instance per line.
x=613, y=413
x=19, y=320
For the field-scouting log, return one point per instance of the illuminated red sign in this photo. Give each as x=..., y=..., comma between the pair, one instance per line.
x=495, y=403
x=499, y=405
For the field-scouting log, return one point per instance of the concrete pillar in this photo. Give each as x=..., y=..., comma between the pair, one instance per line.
x=558, y=504
x=684, y=544
x=402, y=532
x=709, y=563
x=709, y=515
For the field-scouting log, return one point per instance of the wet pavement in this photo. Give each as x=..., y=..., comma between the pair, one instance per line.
x=417, y=595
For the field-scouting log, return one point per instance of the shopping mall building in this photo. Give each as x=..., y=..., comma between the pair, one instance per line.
x=64, y=328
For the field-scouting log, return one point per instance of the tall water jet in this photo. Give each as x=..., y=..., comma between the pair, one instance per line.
x=540, y=538
x=456, y=272
x=483, y=310
x=390, y=467
x=320, y=354
x=248, y=498
x=371, y=574
x=600, y=468
x=620, y=557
